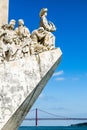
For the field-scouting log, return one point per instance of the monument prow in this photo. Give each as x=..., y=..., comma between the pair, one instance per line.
x=27, y=61
x=27, y=81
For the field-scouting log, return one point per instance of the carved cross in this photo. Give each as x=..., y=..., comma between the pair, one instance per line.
x=4, y=9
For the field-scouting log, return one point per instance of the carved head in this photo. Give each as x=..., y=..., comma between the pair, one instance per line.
x=20, y=22
x=4, y=26
x=12, y=23
x=43, y=11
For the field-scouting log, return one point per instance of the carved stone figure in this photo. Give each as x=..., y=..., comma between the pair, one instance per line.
x=10, y=34
x=2, y=34
x=4, y=26
x=17, y=42
x=38, y=37
x=12, y=24
x=49, y=27
x=24, y=39
x=22, y=31
x=49, y=40
x=9, y=40
x=3, y=29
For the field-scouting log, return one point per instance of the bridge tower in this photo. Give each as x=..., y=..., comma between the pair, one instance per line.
x=36, y=117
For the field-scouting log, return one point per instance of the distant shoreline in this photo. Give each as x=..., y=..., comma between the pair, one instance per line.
x=80, y=124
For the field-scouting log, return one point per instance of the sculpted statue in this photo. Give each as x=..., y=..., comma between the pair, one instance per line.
x=6, y=38
x=9, y=40
x=10, y=34
x=38, y=37
x=48, y=26
x=24, y=39
x=22, y=31
x=49, y=40
x=11, y=24
x=2, y=34
x=17, y=42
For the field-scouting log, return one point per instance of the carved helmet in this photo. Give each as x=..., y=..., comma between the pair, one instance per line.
x=20, y=22
x=12, y=22
x=43, y=11
x=40, y=29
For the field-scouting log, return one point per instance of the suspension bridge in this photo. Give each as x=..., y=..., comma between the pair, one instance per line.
x=56, y=117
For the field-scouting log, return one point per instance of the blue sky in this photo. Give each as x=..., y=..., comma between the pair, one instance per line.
x=66, y=92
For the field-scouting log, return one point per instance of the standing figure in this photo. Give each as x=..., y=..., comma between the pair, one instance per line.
x=24, y=39
x=9, y=40
x=48, y=26
x=3, y=29
x=22, y=31
x=10, y=33
x=49, y=40
x=11, y=25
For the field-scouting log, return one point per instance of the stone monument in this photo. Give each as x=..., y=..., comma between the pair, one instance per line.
x=27, y=61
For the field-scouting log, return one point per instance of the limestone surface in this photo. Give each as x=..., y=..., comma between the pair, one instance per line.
x=4, y=11
x=21, y=82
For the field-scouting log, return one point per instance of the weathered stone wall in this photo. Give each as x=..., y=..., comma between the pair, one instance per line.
x=4, y=11
x=21, y=82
